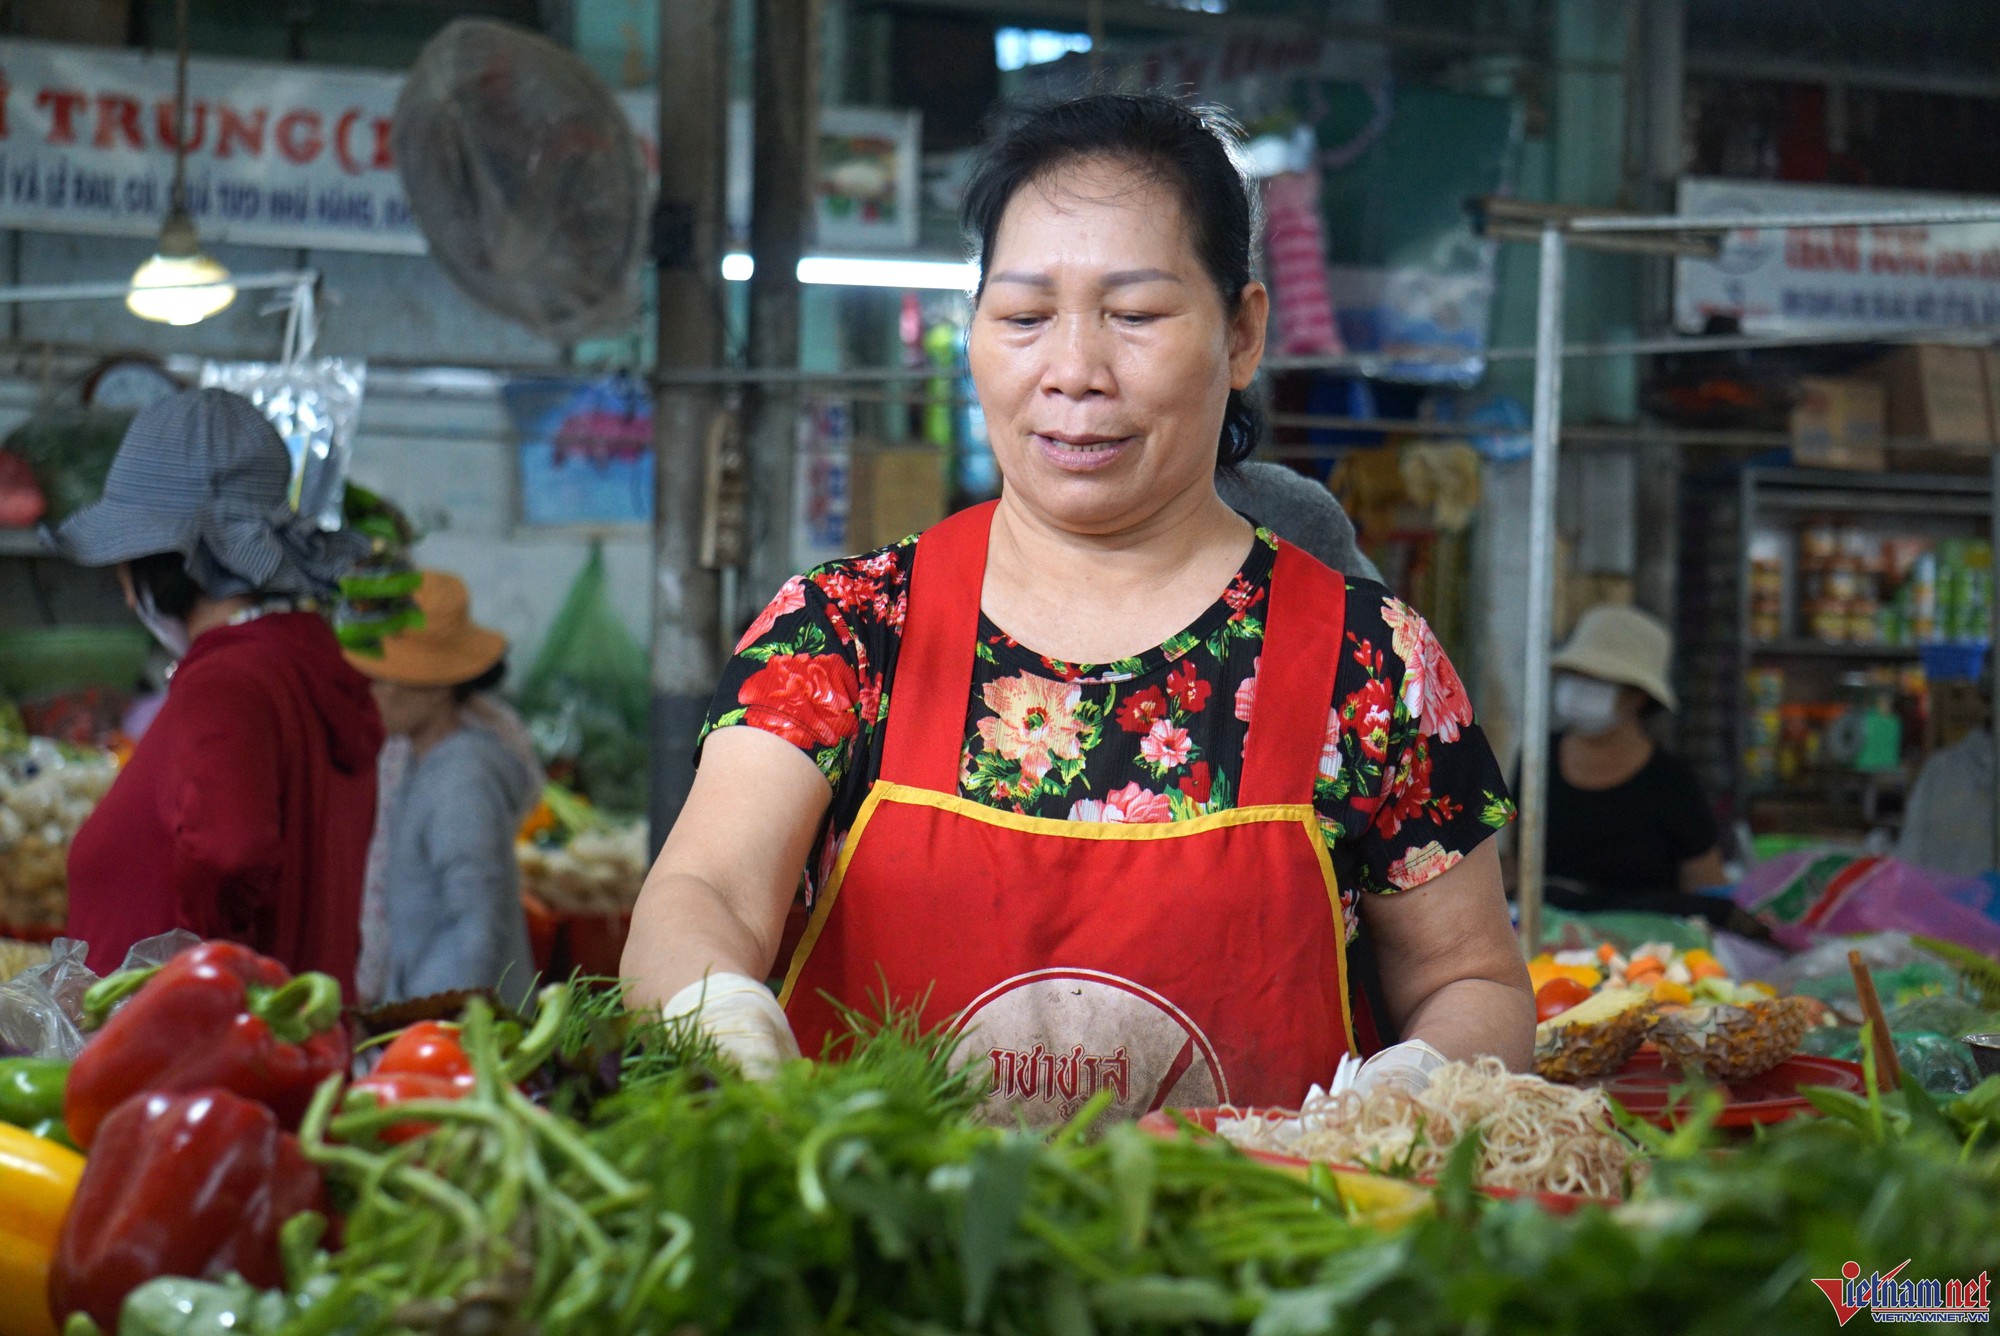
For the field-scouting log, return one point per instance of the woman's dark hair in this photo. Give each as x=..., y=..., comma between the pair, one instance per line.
x=1188, y=149
x=489, y=680
x=165, y=576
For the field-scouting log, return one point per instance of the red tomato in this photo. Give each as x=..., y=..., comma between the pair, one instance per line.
x=428, y=1048
x=1557, y=996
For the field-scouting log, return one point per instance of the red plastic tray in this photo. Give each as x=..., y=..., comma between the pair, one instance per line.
x=1645, y=1083
x=1163, y=1124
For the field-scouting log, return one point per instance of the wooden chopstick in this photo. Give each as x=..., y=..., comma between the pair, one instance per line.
x=1888, y=1072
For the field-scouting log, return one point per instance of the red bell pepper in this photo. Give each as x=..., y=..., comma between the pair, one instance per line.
x=425, y=1061
x=216, y=1016
x=195, y=1184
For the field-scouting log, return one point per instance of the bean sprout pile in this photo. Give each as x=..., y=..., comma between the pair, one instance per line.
x=1536, y=1136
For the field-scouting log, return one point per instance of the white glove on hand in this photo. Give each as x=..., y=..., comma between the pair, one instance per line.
x=743, y=1019
x=1406, y=1066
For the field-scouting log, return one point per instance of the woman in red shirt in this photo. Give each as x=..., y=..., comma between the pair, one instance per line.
x=246, y=810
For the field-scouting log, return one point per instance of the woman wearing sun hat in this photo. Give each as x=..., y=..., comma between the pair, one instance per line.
x=1627, y=818
x=245, y=811
x=450, y=886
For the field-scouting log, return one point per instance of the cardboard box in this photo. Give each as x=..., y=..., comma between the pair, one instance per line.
x=1937, y=393
x=1839, y=424
x=894, y=491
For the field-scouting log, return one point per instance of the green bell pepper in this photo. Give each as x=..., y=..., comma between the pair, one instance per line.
x=31, y=1092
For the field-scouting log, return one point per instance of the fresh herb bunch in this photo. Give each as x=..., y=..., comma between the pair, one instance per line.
x=377, y=597
x=862, y=1196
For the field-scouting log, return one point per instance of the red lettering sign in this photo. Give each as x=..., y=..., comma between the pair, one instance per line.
x=298, y=135
x=234, y=131
x=62, y=105
x=166, y=115
x=117, y=115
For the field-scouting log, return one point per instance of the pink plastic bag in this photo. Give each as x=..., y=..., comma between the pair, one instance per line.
x=1807, y=897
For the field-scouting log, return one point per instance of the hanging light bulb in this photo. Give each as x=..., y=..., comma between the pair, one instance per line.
x=179, y=285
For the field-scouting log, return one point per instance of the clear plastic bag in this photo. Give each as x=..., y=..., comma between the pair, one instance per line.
x=315, y=403
x=41, y=1008
x=1942, y=1065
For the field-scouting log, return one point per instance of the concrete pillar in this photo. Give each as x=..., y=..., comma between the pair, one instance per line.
x=693, y=88
x=786, y=80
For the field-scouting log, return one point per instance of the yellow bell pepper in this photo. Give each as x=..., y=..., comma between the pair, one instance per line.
x=1544, y=968
x=37, y=1180
x=1668, y=993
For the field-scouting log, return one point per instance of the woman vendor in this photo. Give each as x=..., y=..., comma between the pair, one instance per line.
x=1629, y=826
x=246, y=809
x=1099, y=776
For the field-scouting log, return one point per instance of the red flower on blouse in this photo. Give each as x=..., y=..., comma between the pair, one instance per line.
x=1139, y=713
x=1368, y=714
x=808, y=700
x=1189, y=692
x=1195, y=785
x=1408, y=791
x=1241, y=596
x=848, y=592
x=789, y=600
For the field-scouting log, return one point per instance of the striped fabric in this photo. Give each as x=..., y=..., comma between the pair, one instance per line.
x=204, y=474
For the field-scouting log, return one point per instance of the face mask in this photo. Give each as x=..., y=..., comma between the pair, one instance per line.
x=171, y=632
x=1585, y=705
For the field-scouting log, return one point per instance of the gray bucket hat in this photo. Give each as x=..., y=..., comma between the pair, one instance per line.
x=204, y=473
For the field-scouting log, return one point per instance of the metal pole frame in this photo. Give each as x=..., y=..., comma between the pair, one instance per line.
x=1939, y=216
x=118, y=291
x=1546, y=440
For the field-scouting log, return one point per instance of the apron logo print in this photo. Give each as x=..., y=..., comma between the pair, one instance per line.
x=1075, y=1078
x=1051, y=1039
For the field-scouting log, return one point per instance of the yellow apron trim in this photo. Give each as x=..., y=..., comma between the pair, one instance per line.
x=830, y=892
x=1062, y=829
x=881, y=791
x=1332, y=880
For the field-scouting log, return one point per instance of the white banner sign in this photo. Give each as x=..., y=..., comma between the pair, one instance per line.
x=278, y=155
x=1808, y=279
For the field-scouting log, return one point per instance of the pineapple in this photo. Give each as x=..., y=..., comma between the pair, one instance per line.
x=1735, y=1041
x=1593, y=1038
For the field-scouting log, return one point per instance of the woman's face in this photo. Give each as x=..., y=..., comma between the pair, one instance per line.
x=1101, y=350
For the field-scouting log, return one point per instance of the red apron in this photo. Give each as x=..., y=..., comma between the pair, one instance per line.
x=1183, y=963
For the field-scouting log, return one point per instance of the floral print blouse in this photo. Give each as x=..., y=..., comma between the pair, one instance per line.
x=1407, y=784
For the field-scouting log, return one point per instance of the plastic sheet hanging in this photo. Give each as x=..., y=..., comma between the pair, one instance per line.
x=314, y=402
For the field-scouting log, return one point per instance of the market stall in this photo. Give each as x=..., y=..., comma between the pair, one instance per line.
x=588, y=1170
x=1672, y=234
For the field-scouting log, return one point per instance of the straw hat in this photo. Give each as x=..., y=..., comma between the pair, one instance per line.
x=448, y=649
x=1622, y=645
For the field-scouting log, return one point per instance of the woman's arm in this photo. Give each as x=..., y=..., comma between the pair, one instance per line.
x=1703, y=871
x=222, y=799
x=1452, y=971
x=715, y=902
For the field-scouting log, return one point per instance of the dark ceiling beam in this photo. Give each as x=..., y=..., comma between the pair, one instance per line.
x=1760, y=69
x=1076, y=15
